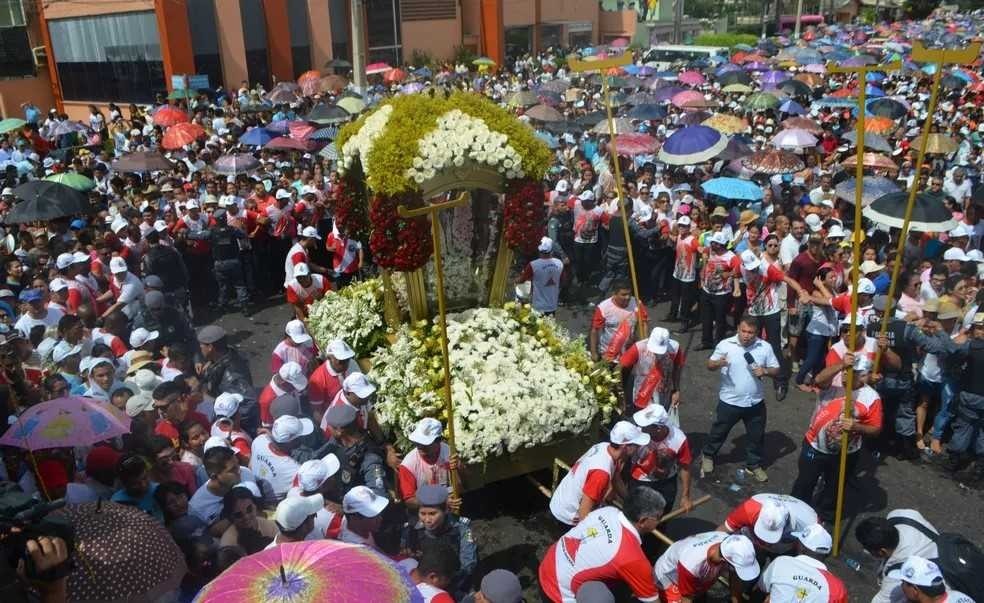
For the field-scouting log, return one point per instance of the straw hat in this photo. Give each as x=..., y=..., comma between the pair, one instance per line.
x=747, y=217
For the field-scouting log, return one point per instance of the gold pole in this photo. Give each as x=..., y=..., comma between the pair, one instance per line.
x=939, y=58
x=432, y=212
x=582, y=66
x=862, y=73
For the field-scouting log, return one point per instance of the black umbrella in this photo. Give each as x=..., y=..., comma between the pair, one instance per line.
x=591, y=119
x=887, y=107
x=928, y=214
x=736, y=149
x=561, y=127
x=327, y=114
x=952, y=82
x=338, y=63
x=43, y=200
x=647, y=112
x=142, y=161
x=735, y=77
x=872, y=141
x=795, y=88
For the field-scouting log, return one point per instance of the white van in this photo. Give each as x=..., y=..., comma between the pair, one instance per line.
x=664, y=56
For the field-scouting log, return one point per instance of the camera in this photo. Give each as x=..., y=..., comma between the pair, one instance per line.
x=24, y=518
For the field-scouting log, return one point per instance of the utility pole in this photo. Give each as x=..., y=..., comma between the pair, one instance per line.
x=765, y=11
x=799, y=15
x=677, y=21
x=358, y=46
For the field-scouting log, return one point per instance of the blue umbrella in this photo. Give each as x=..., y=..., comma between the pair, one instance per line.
x=726, y=68
x=647, y=112
x=422, y=72
x=691, y=145
x=872, y=187
x=548, y=138
x=875, y=76
x=256, y=137
x=834, y=102
x=873, y=91
x=792, y=107
x=329, y=133
x=733, y=188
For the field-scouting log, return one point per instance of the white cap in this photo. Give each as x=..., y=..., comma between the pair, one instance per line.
x=750, y=261
x=296, y=331
x=562, y=186
x=117, y=265
x=546, y=244
x=771, y=521
x=63, y=261
x=863, y=364
x=859, y=320
x=9, y=293
x=283, y=194
x=138, y=403
x=827, y=203
x=213, y=442
x=339, y=350
x=363, y=501
x=287, y=428
x=192, y=205
x=57, y=284
x=358, y=384
x=140, y=336
x=919, y=571
x=117, y=224
x=160, y=225
x=301, y=269
x=955, y=253
x=651, y=415
x=426, y=431
x=683, y=221
x=813, y=222
x=7, y=192
x=627, y=433
x=80, y=257
x=816, y=538
x=586, y=196
x=658, y=341
x=739, y=551
x=63, y=350
x=960, y=230
x=310, y=232
x=292, y=373
x=294, y=510
x=866, y=286
x=719, y=237
x=227, y=404
x=974, y=255
x=251, y=486
x=836, y=232
x=312, y=474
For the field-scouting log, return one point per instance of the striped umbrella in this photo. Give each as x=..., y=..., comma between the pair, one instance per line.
x=772, y=162
x=328, y=133
x=692, y=145
x=235, y=164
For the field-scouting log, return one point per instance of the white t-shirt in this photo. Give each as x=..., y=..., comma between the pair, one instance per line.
x=801, y=579
x=589, y=476
x=789, y=248
x=739, y=387
x=275, y=467
x=26, y=322
x=131, y=295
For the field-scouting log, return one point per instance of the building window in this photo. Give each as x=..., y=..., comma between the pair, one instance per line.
x=550, y=36
x=519, y=40
x=300, y=36
x=383, y=29
x=15, y=44
x=205, y=41
x=114, y=57
x=255, y=40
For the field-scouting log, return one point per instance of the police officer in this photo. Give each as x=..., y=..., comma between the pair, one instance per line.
x=897, y=386
x=363, y=460
x=968, y=425
x=227, y=263
x=436, y=523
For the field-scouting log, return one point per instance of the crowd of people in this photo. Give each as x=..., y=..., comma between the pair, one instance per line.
x=117, y=306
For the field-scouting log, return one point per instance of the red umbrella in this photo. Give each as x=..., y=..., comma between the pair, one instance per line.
x=374, y=68
x=291, y=144
x=168, y=116
x=395, y=75
x=619, y=43
x=310, y=83
x=182, y=134
x=308, y=76
x=635, y=144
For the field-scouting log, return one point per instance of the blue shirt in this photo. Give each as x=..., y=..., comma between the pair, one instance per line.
x=146, y=504
x=882, y=281
x=739, y=387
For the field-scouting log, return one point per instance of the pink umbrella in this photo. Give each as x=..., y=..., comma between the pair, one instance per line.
x=681, y=98
x=300, y=130
x=619, y=43
x=66, y=423
x=691, y=78
x=290, y=144
x=815, y=68
x=377, y=68
x=635, y=144
x=794, y=138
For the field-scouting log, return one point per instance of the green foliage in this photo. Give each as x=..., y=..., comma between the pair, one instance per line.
x=729, y=40
x=919, y=9
x=464, y=55
x=422, y=58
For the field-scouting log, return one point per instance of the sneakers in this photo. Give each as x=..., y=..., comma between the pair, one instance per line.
x=759, y=474
x=782, y=390
x=706, y=465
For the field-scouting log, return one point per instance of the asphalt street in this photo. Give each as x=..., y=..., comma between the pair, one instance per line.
x=513, y=527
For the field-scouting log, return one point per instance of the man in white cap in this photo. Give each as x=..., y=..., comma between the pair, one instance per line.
x=820, y=454
x=922, y=582
x=271, y=458
x=297, y=346
x=295, y=517
x=657, y=464
x=683, y=287
x=357, y=393
x=589, y=481
x=227, y=425
x=954, y=258
x=300, y=253
x=690, y=566
x=305, y=289
x=769, y=520
x=804, y=578
x=320, y=477
x=289, y=378
x=197, y=251
x=545, y=274
x=346, y=255
x=430, y=462
x=656, y=365
x=126, y=290
x=363, y=510
x=830, y=380
x=587, y=218
x=326, y=380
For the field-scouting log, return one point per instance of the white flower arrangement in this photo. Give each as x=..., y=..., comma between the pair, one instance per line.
x=354, y=315
x=459, y=137
x=361, y=142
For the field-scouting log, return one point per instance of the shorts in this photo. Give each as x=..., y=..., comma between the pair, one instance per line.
x=796, y=324
x=932, y=389
x=670, y=594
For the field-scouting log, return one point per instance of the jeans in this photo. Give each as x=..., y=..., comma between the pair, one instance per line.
x=682, y=296
x=616, y=266
x=725, y=418
x=585, y=261
x=968, y=425
x=229, y=275
x=772, y=325
x=813, y=465
x=945, y=414
x=713, y=311
x=816, y=350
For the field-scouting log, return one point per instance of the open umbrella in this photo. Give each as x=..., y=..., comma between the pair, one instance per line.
x=552, y=99
x=646, y=112
x=168, y=116
x=641, y=98
x=311, y=75
x=544, y=113
x=338, y=64
x=773, y=161
x=733, y=188
x=775, y=77
x=256, y=137
x=310, y=82
x=558, y=86
x=791, y=107
x=327, y=114
x=872, y=142
x=326, y=133
x=621, y=125
x=761, y=100
x=523, y=98
x=871, y=160
x=793, y=139
x=74, y=180
x=887, y=107
x=310, y=571
x=929, y=214
x=181, y=134
x=590, y=120
x=286, y=143
x=631, y=145
x=483, y=61
x=394, y=75
x=736, y=149
x=680, y=99
x=352, y=105
x=735, y=77
x=803, y=123
x=691, y=78
x=43, y=200
x=691, y=145
x=879, y=125
x=235, y=164
x=726, y=124
x=284, y=92
x=737, y=89
x=872, y=187
x=813, y=80
x=66, y=127
x=142, y=161
x=952, y=82
x=940, y=144
x=66, y=422
x=10, y=124
x=692, y=118
x=795, y=87
x=374, y=68
x=333, y=84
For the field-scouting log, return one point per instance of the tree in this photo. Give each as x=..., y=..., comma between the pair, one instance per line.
x=919, y=9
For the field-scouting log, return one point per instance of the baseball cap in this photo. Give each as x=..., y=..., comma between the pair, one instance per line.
x=340, y=415
x=432, y=495
x=140, y=336
x=192, y=205
x=426, y=431
x=948, y=310
x=919, y=571
x=586, y=196
x=294, y=510
x=627, y=433
x=562, y=186
x=339, y=350
x=283, y=194
x=869, y=266
x=287, y=428
x=653, y=414
x=502, y=586
x=210, y=334
x=57, y=284
x=546, y=244
x=226, y=404
x=117, y=265
x=836, y=232
x=866, y=286
x=63, y=350
x=310, y=232
x=814, y=223
x=719, y=238
x=961, y=230
x=292, y=373
x=750, y=261
x=312, y=474
x=8, y=293
x=80, y=257
x=740, y=553
x=815, y=538
x=683, y=221
x=160, y=225
x=31, y=295
x=358, y=384
x=955, y=253
x=771, y=520
x=301, y=269
x=215, y=442
x=139, y=403
x=975, y=255
x=363, y=501
x=63, y=261
x=296, y=331
x=658, y=341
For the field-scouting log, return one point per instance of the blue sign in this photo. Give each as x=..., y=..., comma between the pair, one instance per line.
x=198, y=82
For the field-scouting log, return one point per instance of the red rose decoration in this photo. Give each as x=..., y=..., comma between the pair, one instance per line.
x=350, y=209
x=402, y=244
x=524, y=216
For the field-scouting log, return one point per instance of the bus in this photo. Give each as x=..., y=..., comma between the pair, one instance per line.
x=665, y=55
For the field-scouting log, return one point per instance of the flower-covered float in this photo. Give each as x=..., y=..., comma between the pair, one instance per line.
x=524, y=391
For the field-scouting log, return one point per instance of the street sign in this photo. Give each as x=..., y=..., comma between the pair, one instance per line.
x=177, y=82
x=198, y=82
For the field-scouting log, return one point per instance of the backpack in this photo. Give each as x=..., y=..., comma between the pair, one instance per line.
x=960, y=560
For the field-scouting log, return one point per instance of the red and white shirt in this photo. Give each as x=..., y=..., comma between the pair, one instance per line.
x=801, y=579
x=116, y=344
x=267, y=395
x=835, y=355
x=240, y=440
x=545, y=274
x=299, y=294
x=685, y=263
x=295, y=255
x=743, y=517
x=762, y=289
x=288, y=351
x=432, y=594
x=416, y=471
x=824, y=433
x=274, y=466
x=647, y=365
x=603, y=547
x=590, y=476
x=324, y=383
x=361, y=412
x=344, y=253
x=685, y=565
x=662, y=460
x=78, y=294
x=587, y=221
x=842, y=303
x=609, y=318
x=712, y=279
